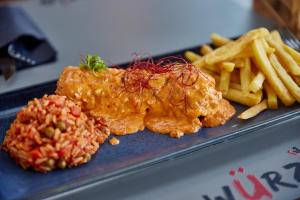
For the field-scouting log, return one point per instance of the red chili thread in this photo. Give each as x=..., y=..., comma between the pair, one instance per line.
x=182, y=74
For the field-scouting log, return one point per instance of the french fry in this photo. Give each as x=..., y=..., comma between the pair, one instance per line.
x=258, y=61
x=269, y=50
x=239, y=63
x=257, y=83
x=228, y=66
x=245, y=76
x=238, y=96
x=199, y=63
x=206, y=49
x=219, y=40
x=224, y=81
x=276, y=36
x=295, y=54
x=265, y=66
x=231, y=49
x=285, y=77
x=271, y=96
x=246, y=53
x=212, y=68
x=231, y=85
x=254, y=110
x=289, y=62
x=191, y=56
x=297, y=79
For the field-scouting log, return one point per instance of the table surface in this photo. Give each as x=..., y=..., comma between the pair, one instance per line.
x=116, y=29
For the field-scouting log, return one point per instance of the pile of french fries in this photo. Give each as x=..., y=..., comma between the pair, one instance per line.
x=256, y=70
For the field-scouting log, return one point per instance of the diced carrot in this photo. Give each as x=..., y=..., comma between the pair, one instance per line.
x=35, y=154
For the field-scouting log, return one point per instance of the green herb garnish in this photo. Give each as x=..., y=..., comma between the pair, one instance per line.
x=93, y=63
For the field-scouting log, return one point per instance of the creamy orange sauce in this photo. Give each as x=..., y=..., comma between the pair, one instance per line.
x=165, y=106
x=224, y=112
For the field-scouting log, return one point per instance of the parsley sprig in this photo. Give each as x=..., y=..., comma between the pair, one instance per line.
x=93, y=63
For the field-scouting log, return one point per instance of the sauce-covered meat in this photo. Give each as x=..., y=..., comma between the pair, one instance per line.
x=166, y=101
x=224, y=112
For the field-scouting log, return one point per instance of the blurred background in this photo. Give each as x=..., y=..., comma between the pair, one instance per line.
x=57, y=32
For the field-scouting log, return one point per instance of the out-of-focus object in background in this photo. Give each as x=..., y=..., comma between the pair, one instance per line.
x=22, y=43
x=7, y=67
x=285, y=12
x=52, y=2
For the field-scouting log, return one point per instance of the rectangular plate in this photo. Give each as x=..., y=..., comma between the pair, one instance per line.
x=135, y=152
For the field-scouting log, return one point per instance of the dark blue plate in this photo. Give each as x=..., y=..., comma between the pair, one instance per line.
x=135, y=152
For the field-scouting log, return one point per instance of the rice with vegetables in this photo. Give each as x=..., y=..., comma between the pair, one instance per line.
x=53, y=132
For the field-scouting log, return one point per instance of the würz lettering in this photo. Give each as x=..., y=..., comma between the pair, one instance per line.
x=259, y=189
x=294, y=151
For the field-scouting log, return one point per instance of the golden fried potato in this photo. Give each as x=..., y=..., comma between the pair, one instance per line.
x=219, y=40
x=276, y=36
x=257, y=61
x=191, y=56
x=269, y=50
x=286, y=78
x=297, y=79
x=239, y=62
x=265, y=66
x=206, y=49
x=257, y=82
x=295, y=54
x=224, y=81
x=228, y=66
x=231, y=49
x=245, y=76
x=246, y=53
x=254, y=110
x=286, y=58
x=238, y=96
x=271, y=96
